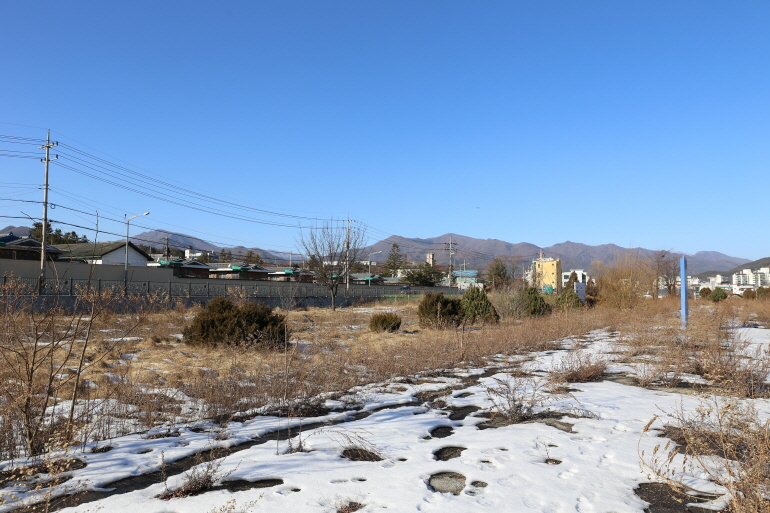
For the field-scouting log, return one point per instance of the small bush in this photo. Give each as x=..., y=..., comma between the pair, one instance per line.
x=704, y=292
x=199, y=478
x=439, y=312
x=386, y=321
x=568, y=299
x=224, y=322
x=519, y=398
x=717, y=295
x=749, y=294
x=763, y=293
x=476, y=307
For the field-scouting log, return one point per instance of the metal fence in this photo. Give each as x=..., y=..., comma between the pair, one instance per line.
x=206, y=289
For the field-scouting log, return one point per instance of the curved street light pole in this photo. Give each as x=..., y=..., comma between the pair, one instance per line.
x=125, y=267
x=370, y=266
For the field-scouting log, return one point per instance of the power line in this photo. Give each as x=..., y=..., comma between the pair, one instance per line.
x=101, y=217
x=20, y=156
x=192, y=206
x=87, y=201
x=166, y=185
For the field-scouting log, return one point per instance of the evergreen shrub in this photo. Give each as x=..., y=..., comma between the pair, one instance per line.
x=529, y=302
x=568, y=299
x=224, y=322
x=439, y=312
x=476, y=307
x=718, y=295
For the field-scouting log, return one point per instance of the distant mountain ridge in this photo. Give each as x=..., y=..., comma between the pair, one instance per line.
x=753, y=265
x=157, y=239
x=20, y=231
x=175, y=240
x=477, y=253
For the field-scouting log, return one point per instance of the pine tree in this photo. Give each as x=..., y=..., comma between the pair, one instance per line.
x=253, y=258
x=395, y=261
x=497, y=274
x=423, y=276
x=54, y=237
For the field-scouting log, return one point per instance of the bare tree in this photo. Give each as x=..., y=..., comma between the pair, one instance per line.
x=664, y=267
x=331, y=251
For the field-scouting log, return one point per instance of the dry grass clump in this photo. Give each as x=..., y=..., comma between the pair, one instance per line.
x=350, y=507
x=201, y=477
x=579, y=366
x=519, y=397
x=725, y=440
x=385, y=321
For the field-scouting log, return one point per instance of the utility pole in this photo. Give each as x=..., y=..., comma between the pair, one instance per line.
x=450, y=247
x=48, y=145
x=347, y=257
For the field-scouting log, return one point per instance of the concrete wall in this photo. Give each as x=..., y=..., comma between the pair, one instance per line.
x=79, y=271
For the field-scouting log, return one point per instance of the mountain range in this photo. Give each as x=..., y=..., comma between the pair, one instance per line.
x=477, y=253
x=471, y=252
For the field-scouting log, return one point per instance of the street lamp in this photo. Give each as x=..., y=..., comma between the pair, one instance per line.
x=370, y=266
x=125, y=268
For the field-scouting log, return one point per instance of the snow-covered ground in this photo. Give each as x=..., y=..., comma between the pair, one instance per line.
x=509, y=468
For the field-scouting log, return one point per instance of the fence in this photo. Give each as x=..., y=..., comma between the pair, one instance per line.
x=211, y=288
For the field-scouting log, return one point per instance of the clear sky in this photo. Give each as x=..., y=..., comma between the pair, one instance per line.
x=639, y=123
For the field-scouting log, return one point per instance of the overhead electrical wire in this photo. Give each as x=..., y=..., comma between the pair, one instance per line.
x=193, y=206
x=17, y=138
x=166, y=185
x=102, y=217
x=128, y=179
x=186, y=230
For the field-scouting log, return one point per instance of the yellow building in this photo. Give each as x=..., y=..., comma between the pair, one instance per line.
x=547, y=274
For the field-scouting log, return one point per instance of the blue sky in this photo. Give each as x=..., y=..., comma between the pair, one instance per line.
x=634, y=123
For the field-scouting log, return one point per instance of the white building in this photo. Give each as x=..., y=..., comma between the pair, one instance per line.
x=743, y=277
x=105, y=253
x=753, y=279
x=761, y=278
x=582, y=276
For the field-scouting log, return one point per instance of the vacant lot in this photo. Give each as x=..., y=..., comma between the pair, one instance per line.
x=554, y=413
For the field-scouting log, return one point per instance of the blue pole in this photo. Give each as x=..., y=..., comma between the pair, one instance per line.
x=683, y=290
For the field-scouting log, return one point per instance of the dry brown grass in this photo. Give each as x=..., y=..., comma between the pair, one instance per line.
x=578, y=366
x=332, y=351
x=726, y=440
